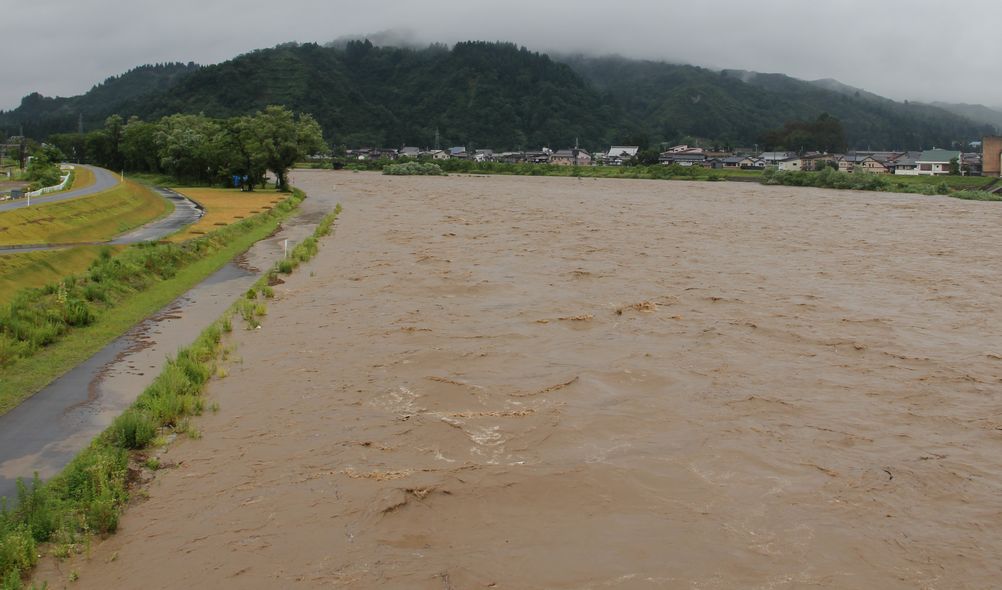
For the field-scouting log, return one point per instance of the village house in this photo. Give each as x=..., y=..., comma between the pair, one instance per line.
x=870, y=165
x=440, y=155
x=484, y=155
x=409, y=152
x=904, y=165
x=680, y=148
x=774, y=158
x=618, y=154
x=816, y=161
x=738, y=162
x=511, y=157
x=573, y=157
x=791, y=164
x=687, y=157
x=847, y=163
x=935, y=162
x=540, y=157
x=971, y=165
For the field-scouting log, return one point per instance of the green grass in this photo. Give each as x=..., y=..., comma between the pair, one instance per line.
x=36, y=269
x=40, y=352
x=953, y=186
x=93, y=218
x=954, y=182
x=87, y=497
x=975, y=195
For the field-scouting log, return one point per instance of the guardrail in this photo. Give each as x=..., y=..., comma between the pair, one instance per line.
x=51, y=189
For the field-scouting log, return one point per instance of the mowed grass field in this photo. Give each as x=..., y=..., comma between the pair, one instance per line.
x=225, y=206
x=92, y=218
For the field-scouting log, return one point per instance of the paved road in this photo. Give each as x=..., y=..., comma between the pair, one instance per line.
x=185, y=213
x=103, y=180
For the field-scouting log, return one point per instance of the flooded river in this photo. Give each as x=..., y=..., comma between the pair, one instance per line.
x=495, y=382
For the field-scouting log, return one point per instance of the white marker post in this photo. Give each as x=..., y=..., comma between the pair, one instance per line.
x=286, y=242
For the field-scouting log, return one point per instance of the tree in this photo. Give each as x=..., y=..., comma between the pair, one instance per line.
x=282, y=140
x=825, y=134
x=647, y=157
x=954, y=167
x=138, y=146
x=187, y=147
x=113, y=127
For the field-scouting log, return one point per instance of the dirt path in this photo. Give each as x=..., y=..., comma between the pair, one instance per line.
x=561, y=383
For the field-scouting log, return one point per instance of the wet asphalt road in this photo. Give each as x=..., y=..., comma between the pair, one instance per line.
x=185, y=213
x=103, y=180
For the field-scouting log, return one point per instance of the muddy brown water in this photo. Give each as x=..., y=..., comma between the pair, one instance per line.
x=47, y=430
x=559, y=383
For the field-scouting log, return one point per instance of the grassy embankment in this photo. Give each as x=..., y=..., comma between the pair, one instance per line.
x=46, y=331
x=82, y=178
x=94, y=218
x=88, y=496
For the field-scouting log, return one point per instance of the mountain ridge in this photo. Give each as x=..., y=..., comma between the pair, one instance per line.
x=503, y=96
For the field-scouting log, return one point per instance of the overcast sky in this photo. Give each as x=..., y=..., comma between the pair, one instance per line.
x=902, y=49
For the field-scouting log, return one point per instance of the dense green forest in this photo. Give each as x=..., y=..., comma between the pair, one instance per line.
x=496, y=95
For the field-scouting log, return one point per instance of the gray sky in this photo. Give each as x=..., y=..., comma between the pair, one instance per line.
x=902, y=49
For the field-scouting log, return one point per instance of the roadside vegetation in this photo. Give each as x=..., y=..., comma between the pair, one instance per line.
x=93, y=218
x=45, y=331
x=43, y=170
x=88, y=496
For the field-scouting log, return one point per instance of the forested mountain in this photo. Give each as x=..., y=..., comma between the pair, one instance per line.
x=735, y=106
x=975, y=112
x=41, y=116
x=497, y=95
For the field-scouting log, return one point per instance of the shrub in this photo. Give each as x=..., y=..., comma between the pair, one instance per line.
x=972, y=195
x=132, y=430
x=413, y=169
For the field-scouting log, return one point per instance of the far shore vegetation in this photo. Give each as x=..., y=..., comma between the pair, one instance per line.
x=965, y=187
